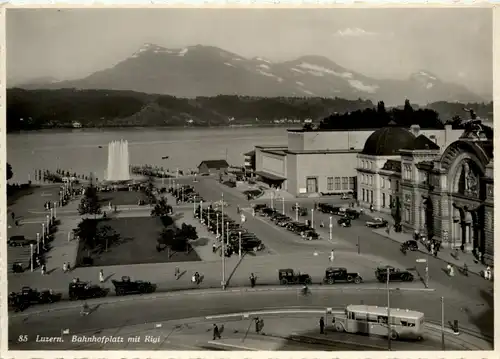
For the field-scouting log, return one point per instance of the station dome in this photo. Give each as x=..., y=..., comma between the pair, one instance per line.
x=387, y=141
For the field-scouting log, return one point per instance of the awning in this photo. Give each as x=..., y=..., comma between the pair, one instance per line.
x=270, y=176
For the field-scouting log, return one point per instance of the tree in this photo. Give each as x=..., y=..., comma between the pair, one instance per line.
x=90, y=202
x=381, y=107
x=396, y=211
x=161, y=208
x=9, y=171
x=408, y=107
x=94, y=234
x=188, y=231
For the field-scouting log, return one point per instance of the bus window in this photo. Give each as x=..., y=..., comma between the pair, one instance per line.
x=382, y=319
x=372, y=318
x=407, y=323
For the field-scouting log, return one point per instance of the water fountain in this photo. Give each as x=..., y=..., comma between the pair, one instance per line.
x=118, y=161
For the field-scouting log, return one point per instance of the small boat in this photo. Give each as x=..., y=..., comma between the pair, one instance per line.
x=165, y=157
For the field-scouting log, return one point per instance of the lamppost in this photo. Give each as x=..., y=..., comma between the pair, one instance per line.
x=208, y=217
x=272, y=200
x=227, y=232
x=38, y=243
x=43, y=232
x=239, y=251
x=296, y=212
x=31, y=258
x=330, y=227
x=388, y=313
x=217, y=227
x=201, y=211
x=442, y=324
x=48, y=223
x=194, y=205
x=55, y=209
x=283, y=201
x=312, y=218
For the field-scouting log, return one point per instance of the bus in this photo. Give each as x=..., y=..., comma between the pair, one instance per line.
x=370, y=319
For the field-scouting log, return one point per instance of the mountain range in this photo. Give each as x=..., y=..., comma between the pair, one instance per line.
x=210, y=71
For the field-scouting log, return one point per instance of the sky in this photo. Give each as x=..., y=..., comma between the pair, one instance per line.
x=453, y=44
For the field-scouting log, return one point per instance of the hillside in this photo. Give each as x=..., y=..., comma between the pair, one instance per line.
x=37, y=109
x=210, y=71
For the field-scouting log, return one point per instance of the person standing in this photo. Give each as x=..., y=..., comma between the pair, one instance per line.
x=322, y=325
x=177, y=272
x=101, y=276
x=43, y=269
x=216, y=332
x=253, y=279
x=332, y=256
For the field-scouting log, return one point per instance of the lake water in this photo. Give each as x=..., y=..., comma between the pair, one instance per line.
x=78, y=150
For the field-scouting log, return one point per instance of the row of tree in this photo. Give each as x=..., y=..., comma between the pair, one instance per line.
x=37, y=109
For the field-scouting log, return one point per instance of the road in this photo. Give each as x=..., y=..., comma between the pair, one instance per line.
x=282, y=241
x=158, y=310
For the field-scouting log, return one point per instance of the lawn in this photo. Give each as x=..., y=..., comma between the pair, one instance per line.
x=121, y=198
x=137, y=244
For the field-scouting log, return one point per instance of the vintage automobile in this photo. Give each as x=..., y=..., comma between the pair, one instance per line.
x=29, y=296
x=344, y=222
x=351, y=213
x=311, y=235
x=411, y=244
x=395, y=274
x=259, y=207
x=20, y=241
x=289, y=276
x=85, y=290
x=325, y=207
x=377, y=223
x=126, y=286
x=301, y=210
x=340, y=274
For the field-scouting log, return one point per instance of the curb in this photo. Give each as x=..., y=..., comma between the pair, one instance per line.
x=426, y=253
x=206, y=292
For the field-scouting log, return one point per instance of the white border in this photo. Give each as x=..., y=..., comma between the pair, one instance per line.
x=276, y=4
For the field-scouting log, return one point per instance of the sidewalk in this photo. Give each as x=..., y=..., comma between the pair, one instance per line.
x=265, y=268
x=445, y=253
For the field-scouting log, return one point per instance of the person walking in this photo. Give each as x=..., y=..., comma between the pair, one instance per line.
x=101, y=276
x=65, y=267
x=43, y=269
x=257, y=325
x=332, y=256
x=216, y=332
x=253, y=279
x=177, y=272
x=322, y=325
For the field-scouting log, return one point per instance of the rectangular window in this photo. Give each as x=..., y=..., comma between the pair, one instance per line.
x=329, y=183
x=345, y=183
x=407, y=215
x=352, y=181
x=371, y=180
x=397, y=186
x=371, y=196
x=337, y=183
x=390, y=200
x=383, y=199
x=364, y=195
x=389, y=183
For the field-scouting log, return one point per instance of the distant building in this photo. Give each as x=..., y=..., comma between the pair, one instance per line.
x=212, y=166
x=316, y=162
x=249, y=162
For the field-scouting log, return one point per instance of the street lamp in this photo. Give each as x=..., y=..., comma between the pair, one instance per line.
x=208, y=216
x=227, y=232
x=43, y=231
x=272, y=200
x=283, y=200
x=55, y=209
x=239, y=251
x=194, y=205
x=330, y=227
x=388, y=313
x=38, y=243
x=31, y=258
x=312, y=218
x=217, y=227
x=201, y=211
x=296, y=212
x=48, y=223
x=442, y=324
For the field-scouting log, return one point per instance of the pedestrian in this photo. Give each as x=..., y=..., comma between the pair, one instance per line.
x=44, y=269
x=322, y=224
x=253, y=279
x=487, y=273
x=257, y=325
x=177, y=272
x=68, y=267
x=65, y=267
x=432, y=247
x=101, y=276
x=322, y=325
x=332, y=256
x=214, y=247
x=13, y=215
x=216, y=332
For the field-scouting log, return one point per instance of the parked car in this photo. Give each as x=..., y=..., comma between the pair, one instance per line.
x=85, y=290
x=301, y=210
x=20, y=241
x=411, y=244
x=28, y=296
x=377, y=223
x=352, y=213
x=340, y=274
x=289, y=276
x=395, y=274
x=126, y=286
x=311, y=235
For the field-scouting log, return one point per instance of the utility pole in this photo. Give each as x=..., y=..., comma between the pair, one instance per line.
x=442, y=324
x=388, y=313
x=223, y=253
x=296, y=212
x=330, y=227
x=283, y=200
